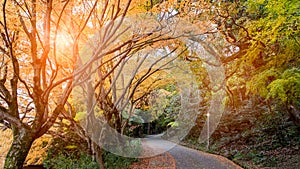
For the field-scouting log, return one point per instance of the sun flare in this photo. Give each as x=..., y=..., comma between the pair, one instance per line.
x=63, y=47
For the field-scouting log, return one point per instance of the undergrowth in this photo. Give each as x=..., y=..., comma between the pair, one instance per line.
x=254, y=138
x=72, y=153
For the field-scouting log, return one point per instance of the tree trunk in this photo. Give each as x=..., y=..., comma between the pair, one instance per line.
x=148, y=130
x=22, y=141
x=98, y=155
x=294, y=113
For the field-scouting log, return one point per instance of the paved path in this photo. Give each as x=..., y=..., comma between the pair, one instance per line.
x=187, y=158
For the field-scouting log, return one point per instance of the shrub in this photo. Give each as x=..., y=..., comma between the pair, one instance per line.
x=69, y=155
x=70, y=161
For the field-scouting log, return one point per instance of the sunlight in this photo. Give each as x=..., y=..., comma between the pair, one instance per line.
x=63, y=47
x=63, y=41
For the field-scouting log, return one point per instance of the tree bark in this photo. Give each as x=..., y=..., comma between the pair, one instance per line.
x=22, y=141
x=294, y=113
x=98, y=154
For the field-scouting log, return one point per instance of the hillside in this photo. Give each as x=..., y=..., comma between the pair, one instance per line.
x=254, y=137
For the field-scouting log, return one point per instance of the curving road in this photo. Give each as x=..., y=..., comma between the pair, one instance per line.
x=187, y=158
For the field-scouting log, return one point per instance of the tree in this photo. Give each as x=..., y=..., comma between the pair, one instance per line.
x=121, y=82
x=263, y=38
x=40, y=48
x=28, y=120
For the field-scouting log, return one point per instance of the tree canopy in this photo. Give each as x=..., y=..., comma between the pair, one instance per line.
x=98, y=59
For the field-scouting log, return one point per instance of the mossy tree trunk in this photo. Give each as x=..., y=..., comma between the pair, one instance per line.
x=22, y=141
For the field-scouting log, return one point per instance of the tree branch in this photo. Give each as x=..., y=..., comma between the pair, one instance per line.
x=12, y=120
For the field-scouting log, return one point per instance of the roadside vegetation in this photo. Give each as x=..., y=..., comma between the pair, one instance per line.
x=253, y=137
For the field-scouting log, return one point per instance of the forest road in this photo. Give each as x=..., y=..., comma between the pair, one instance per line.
x=187, y=158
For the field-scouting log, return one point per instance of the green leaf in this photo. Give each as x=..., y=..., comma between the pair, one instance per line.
x=80, y=116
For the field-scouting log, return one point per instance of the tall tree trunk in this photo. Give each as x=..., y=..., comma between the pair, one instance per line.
x=22, y=141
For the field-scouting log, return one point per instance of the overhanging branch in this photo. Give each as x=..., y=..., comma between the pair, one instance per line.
x=4, y=115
